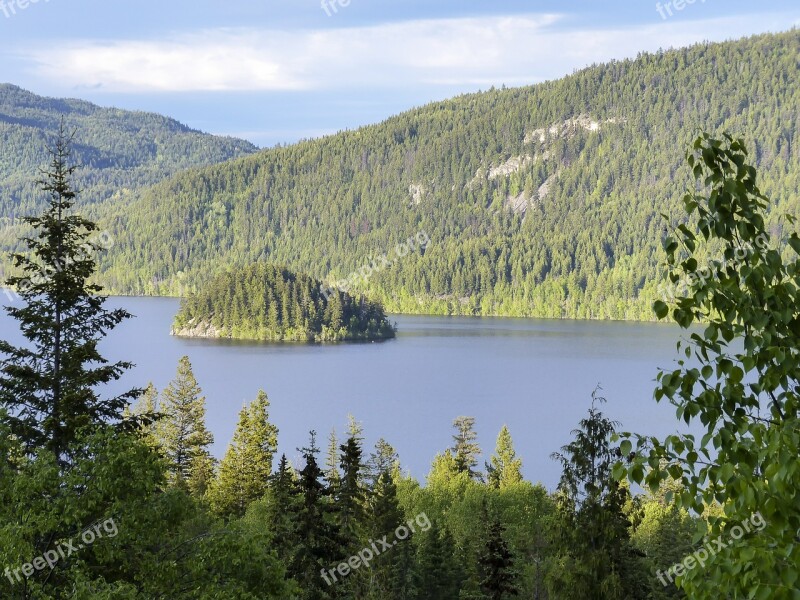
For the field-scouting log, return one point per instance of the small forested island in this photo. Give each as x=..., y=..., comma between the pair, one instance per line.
x=269, y=303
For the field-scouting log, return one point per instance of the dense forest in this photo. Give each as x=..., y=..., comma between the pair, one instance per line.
x=110, y=498
x=542, y=200
x=264, y=302
x=118, y=151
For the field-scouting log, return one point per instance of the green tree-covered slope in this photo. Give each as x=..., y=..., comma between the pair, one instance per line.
x=264, y=302
x=118, y=150
x=541, y=200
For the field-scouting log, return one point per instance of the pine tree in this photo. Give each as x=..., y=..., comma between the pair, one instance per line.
x=351, y=509
x=465, y=449
x=49, y=386
x=245, y=469
x=183, y=433
x=335, y=312
x=505, y=468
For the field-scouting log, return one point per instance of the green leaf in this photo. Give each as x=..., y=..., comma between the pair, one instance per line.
x=661, y=309
x=794, y=242
x=625, y=447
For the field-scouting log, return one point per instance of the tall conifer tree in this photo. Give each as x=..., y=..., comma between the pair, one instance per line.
x=183, y=433
x=49, y=386
x=505, y=468
x=465, y=447
x=244, y=471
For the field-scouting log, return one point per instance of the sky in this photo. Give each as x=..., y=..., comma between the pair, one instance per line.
x=277, y=71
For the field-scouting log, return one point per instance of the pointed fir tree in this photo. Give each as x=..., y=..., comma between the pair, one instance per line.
x=505, y=468
x=183, y=433
x=437, y=576
x=245, y=469
x=403, y=574
x=496, y=561
x=351, y=509
x=284, y=503
x=351, y=495
x=392, y=573
x=332, y=474
x=49, y=387
x=320, y=546
x=465, y=448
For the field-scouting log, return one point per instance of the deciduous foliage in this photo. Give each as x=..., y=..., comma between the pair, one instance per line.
x=742, y=386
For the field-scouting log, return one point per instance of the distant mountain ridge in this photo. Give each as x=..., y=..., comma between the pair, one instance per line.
x=118, y=150
x=538, y=201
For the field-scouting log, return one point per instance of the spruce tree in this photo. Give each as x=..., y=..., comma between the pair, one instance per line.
x=351, y=496
x=505, y=468
x=438, y=576
x=393, y=573
x=497, y=563
x=351, y=509
x=284, y=505
x=320, y=546
x=49, y=387
x=183, y=433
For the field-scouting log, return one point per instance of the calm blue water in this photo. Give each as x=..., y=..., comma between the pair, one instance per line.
x=537, y=376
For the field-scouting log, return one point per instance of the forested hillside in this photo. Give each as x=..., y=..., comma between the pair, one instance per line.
x=541, y=200
x=265, y=302
x=118, y=151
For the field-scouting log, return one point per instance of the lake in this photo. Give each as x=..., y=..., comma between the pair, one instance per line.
x=534, y=375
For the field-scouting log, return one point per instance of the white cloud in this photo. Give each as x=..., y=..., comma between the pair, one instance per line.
x=478, y=52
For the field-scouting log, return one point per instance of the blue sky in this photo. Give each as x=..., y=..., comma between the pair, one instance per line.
x=277, y=71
